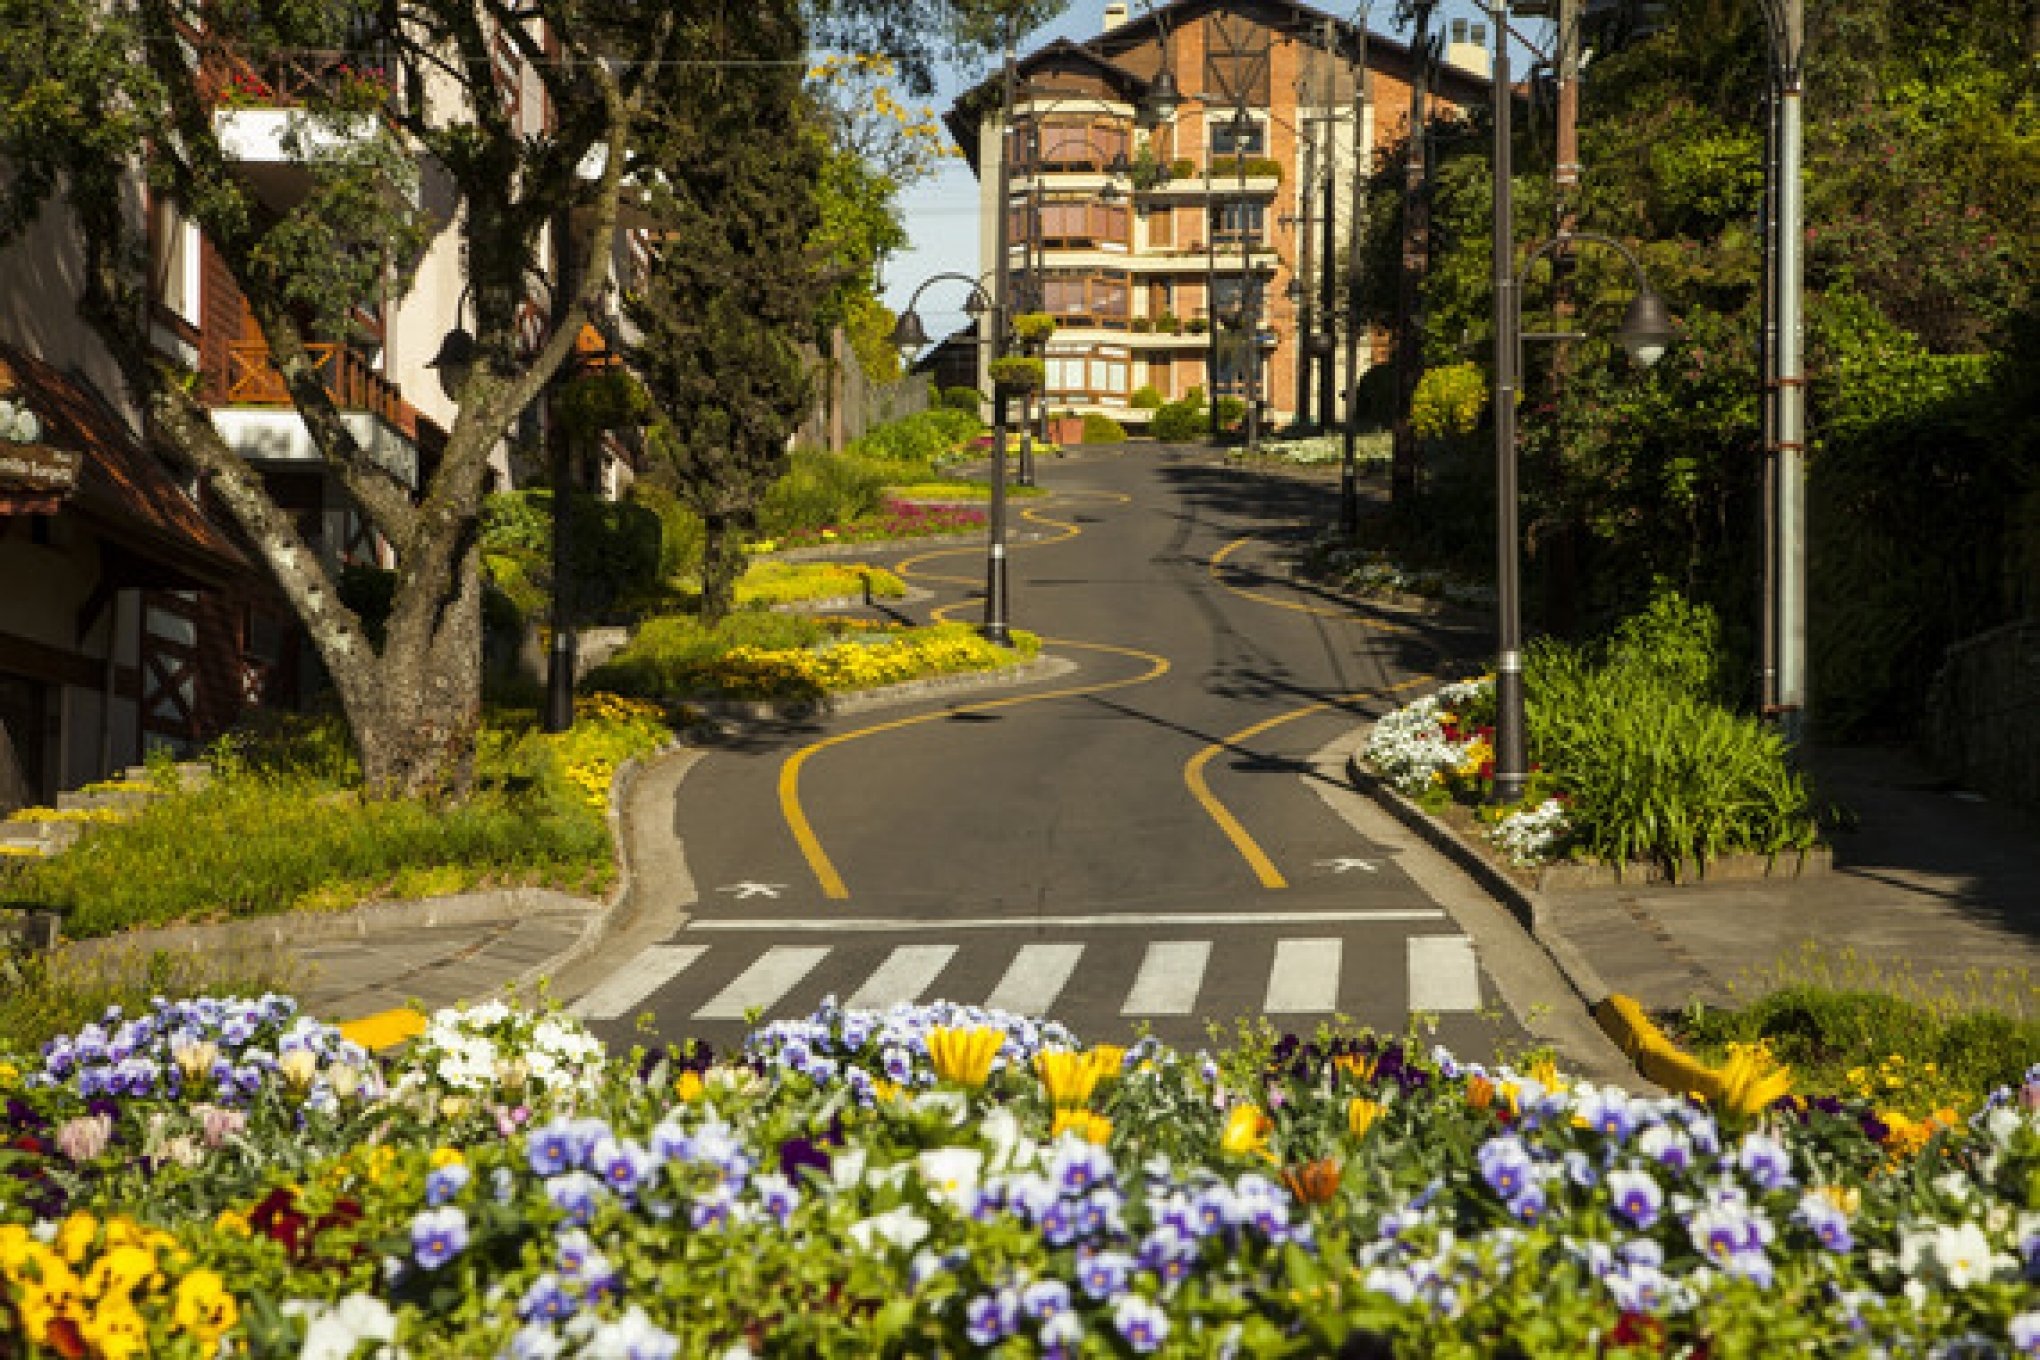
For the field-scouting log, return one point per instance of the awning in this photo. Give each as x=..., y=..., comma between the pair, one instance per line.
x=85, y=461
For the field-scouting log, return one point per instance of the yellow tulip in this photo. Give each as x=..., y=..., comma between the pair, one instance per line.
x=1109, y=1059
x=1069, y=1077
x=964, y=1056
x=1095, y=1128
x=1361, y=1115
x=1749, y=1081
x=1246, y=1130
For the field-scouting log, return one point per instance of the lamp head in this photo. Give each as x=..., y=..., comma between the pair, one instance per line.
x=455, y=361
x=908, y=333
x=1162, y=99
x=1646, y=329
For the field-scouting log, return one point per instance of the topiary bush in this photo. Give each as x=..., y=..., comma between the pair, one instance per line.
x=1146, y=397
x=962, y=399
x=1181, y=421
x=1102, y=429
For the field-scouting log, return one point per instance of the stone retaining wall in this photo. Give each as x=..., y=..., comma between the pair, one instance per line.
x=1983, y=714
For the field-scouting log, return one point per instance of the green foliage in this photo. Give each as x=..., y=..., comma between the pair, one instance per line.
x=1032, y=329
x=1146, y=397
x=1019, y=372
x=283, y=823
x=819, y=490
x=1183, y=420
x=1228, y=413
x=1448, y=401
x=616, y=547
x=369, y=592
x=1654, y=767
x=43, y=995
x=966, y=399
x=594, y=402
x=1102, y=429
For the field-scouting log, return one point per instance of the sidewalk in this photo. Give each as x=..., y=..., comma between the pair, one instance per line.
x=1930, y=883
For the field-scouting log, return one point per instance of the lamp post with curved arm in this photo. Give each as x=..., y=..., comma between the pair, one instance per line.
x=909, y=333
x=1645, y=332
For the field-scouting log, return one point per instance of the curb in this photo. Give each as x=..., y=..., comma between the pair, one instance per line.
x=726, y=712
x=1526, y=906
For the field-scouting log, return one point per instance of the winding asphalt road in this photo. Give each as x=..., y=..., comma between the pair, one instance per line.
x=1146, y=836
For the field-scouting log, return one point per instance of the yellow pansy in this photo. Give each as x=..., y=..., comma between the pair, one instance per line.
x=689, y=1087
x=119, y=1272
x=445, y=1156
x=204, y=1308
x=233, y=1223
x=115, y=1331
x=75, y=1236
x=964, y=1056
x=10, y=1076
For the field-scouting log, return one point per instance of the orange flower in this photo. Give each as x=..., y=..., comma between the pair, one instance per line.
x=1313, y=1182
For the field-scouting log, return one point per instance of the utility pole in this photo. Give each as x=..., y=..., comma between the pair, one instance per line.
x=1787, y=22
x=1307, y=99
x=1328, y=251
x=1406, y=469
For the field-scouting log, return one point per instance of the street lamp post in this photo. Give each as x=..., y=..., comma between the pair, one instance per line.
x=1644, y=333
x=1349, y=471
x=1784, y=664
x=909, y=334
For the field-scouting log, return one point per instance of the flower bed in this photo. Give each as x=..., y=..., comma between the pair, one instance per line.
x=946, y=1180
x=897, y=519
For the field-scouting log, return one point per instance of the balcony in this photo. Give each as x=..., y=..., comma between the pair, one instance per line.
x=253, y=411
x=265, y=128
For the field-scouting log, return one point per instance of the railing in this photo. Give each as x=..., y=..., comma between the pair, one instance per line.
x=252, y=379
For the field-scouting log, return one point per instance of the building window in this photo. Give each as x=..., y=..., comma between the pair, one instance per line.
x=174, y=260
x=1229, y=138
x=1236, y=220
x=1082, y=146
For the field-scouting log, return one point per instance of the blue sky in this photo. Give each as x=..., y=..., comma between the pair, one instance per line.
x=941, y=212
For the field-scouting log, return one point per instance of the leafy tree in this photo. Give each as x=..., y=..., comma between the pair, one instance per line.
x=736, y=289
x=95, y=89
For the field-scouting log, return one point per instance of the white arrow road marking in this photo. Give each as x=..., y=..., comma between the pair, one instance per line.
x=750, y=889
x=636, y=980
x=1342, y=864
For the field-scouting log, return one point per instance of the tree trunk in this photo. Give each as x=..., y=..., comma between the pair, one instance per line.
x=415, y=728
x=720, y=567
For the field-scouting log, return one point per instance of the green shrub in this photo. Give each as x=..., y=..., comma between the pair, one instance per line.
x=283, y=824
x=820, y=490
x=680, y=530
x=1448, y=401
x=1182, y=420
x=1229, y=412
x=1655, y=767
x=617, y=545
x=962, y=399
x=369, y=592
x=1019, y=372
x=42, y=996
x=1146, y=397
x=1102, y=429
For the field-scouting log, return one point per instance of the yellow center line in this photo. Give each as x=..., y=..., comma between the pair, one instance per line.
x=1193, y=777
x=1329, y=611
x=789, y=774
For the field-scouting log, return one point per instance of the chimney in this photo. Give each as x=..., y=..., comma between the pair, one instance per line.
x=1468, y=48
x=1115, y=15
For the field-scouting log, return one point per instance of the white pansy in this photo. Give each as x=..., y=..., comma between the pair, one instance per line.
x=951, y=1174
x=901, y=1228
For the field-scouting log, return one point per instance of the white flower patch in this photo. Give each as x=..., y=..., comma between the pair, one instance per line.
x=1531, y=836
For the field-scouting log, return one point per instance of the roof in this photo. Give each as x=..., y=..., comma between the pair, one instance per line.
x=1383, y=53
x=123, y=489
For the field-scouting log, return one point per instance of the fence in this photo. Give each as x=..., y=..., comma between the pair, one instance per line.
x=847, y=402
x=1983, y=714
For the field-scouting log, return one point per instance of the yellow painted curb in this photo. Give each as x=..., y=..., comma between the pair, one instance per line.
x=384, y=1029
x=1655, y=1056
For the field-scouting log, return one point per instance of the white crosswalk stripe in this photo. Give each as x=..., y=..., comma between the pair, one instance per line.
x=777, y=971
x=636, y=980
x=1170, y=975
x=906, y=973
x=1444, y=975
x=1036, y=978
x=1305, y=978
